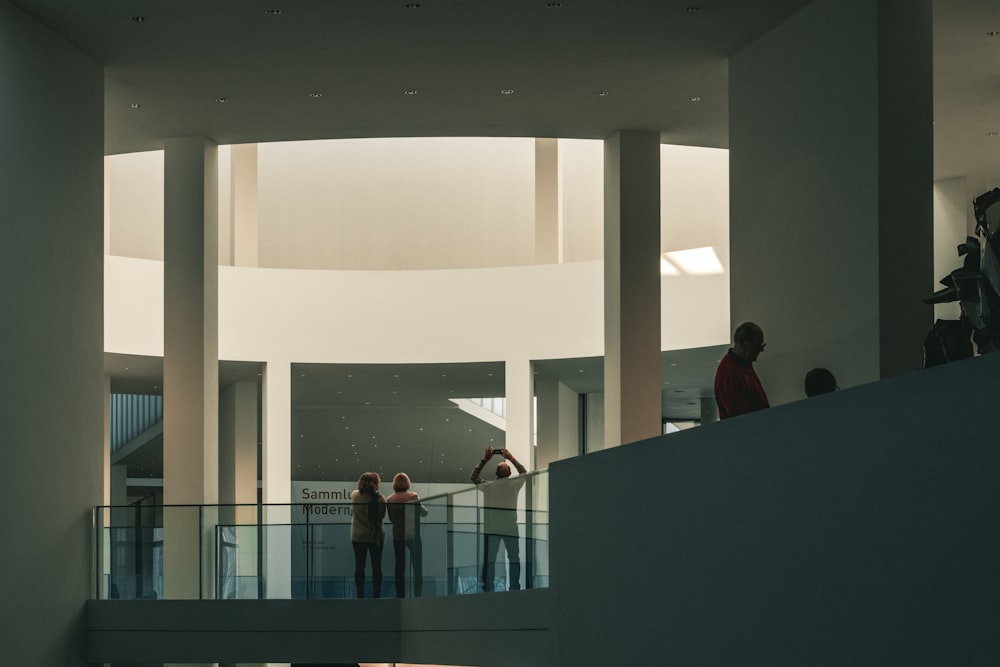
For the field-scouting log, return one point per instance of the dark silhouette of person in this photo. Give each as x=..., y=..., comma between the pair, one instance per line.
x=404, y=513
x=500, y=518
x=820, y=381
x=367, y=534
x=737, y=388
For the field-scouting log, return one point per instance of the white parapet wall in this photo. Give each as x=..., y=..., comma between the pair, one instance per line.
x=534, y=312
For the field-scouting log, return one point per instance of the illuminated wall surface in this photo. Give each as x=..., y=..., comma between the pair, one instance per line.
x=384, y=204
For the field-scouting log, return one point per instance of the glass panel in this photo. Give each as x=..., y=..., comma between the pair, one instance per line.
x=305, y=550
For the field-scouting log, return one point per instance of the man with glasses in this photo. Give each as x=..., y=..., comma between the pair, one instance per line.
x=737, y=387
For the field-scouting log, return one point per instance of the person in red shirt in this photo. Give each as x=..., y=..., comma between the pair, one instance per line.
x=737, y=387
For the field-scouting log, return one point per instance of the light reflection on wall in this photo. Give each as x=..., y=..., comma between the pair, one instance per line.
x=693, y=262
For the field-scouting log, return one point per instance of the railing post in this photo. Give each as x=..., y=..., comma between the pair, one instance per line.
x=260, y=551
x=529, y=533
x=309, y=550
x=450, y=545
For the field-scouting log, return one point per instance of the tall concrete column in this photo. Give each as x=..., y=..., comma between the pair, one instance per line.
x=519, y=385
x=190, y=361
x=238, y=444
x=547, y=241
x=238, y=468
x=558, y=428
x=51, y=266
x=831, y=159
x=245, y=230
x=106, y=440
x=276, y=476
x=632, y=383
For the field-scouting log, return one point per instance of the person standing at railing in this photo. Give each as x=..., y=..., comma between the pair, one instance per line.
x=500, y=517
x=367, y=534
x=404, y=513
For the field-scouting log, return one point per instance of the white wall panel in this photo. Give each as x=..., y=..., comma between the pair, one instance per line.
x=414, y=203
x=534, y=312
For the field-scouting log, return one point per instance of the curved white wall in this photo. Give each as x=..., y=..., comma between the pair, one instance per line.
x=527, y=312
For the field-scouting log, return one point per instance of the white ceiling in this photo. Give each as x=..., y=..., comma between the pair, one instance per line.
x=662, y=63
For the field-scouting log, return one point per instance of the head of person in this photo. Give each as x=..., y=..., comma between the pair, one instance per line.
x=368, y=482
x=401, y=482
x=503, y=470
x=820, y=381
x=748, y=341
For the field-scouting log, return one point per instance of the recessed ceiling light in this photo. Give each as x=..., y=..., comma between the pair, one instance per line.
x=991, y=134
x=411, y=91
x=507, y=91
x=315, y=96
x=553, y=5
x=412, y=5
x=221, y=100
x=603, y=93
x=693, y=9
x=138, y=19
x=135, y=105
x=993, y=33
x=695, y=99
x=272, y=12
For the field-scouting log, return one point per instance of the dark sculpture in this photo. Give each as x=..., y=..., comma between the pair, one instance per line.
x=976, y=286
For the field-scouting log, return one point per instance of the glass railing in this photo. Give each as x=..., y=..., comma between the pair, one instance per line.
x=304, y=550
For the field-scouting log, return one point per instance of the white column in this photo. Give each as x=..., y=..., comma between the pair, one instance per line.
x=190, y=362
x=520, y=390
x=238, y=444
x=547, y=241
x=276, y=476
x=244, y=205
x=558, y=429
x=632, y=383
x=106, y=455
x=118, y=479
